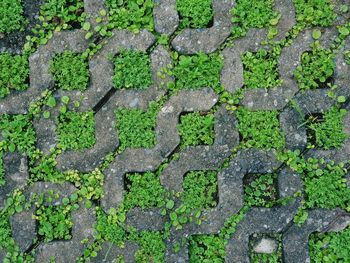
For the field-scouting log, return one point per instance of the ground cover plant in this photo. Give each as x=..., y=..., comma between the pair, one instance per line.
x=11, y=16
x=70, y=71
x=183, y=190
x=54, y=222
x=316, y=69
x=62, y=13
x=196, y=129
x=132, y=69
x=132, y=14
x=260, y=70
x=260, y=129
x=194, y=14
x=14, y=73
x=314, y=12
x=76, y=130
x=197, y=71
x=206, y=248
x=328, y=133
x=252, y=14
x=330, y=247
x=260, y=190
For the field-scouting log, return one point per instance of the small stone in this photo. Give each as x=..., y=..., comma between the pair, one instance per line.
x=266, y=246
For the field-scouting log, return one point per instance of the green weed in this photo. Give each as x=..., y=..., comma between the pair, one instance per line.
x=11, y=15
x=194, y=13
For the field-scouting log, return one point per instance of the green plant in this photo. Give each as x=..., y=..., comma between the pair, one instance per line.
x=54, y=222
x=109, y=229
x=206, y=248
x=260, y=190
x=252, y=14
x=62, y=13
x=330, y=247
x=131, y=14
x=14, y=73
x=152, y=247
x=196, y=129
x=197, y=71
x=326, y=188
x=200, y=190
x=76, y=130
x=329, y=133
x=132, y=69
x=314, y=12
x=316, y=68
x=17, y=132
x=136, y=127
x=260, y=129
x=260, y=70
x=70, y=71
x=2, y=170
x=194, y=13
x=11, y=15
x=143, y=190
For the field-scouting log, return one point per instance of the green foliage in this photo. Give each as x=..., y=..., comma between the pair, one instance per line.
x=196, y=129
x=55, y=222
x=131, y=14
x=17, y=132
x=200, y=190
x=152, y=247
x=2, y=170
x=194, y=13
x=324, y=182
x=76, y=130
x=197, y=71
x=326, y=188
x=206, y=248
x=70, y=71
x=260, y=70
x=314, y=12
x=316, y=68
x=132, y=69
x=62, y=13
x=143, y=190
x=252, y=14
x=136, y=127
x=11, y=15
x=329, y=132
x=14, y=73
x=260, y=190
x=330, y=247
x=260, y=129
x=107, y=226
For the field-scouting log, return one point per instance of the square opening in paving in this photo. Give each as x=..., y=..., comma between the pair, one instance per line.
x=76, y=130
x=136, y=128
x=54, y=223
x=260, y=190
x=196, y=128
x=195, y=13
x=334, y=245
x=143, y=190
x=206, y=248
x=260, y=129
x=200, y=190
x=265, y=247
x=316, y=69
x=132, y=70
x=68, y=14
x=14, y=73
x=260, y=70
x=70, y=71
x=326, y=130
